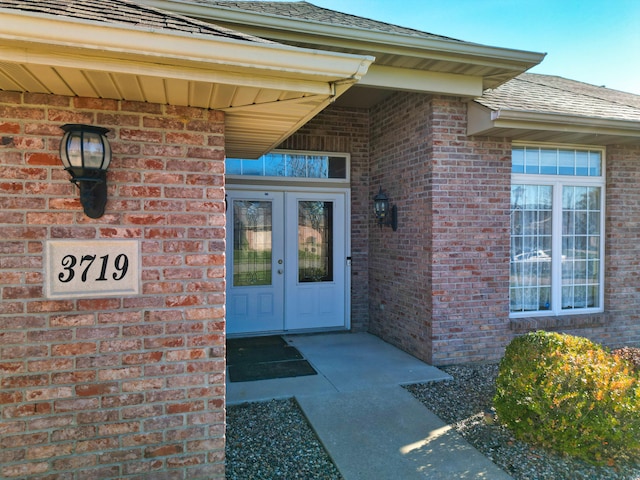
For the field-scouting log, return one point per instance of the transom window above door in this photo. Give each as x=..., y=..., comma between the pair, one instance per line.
x=293, y=165
x=557, y=230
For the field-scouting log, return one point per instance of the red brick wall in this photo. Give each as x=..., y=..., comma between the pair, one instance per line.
x=471, y=223
x=622, y=248
x=401, y=267
x=129, y=387
x=347, y=131
x=439, y=285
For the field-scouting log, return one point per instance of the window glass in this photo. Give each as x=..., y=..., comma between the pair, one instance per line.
x=532, y=160
x=556, y=231
x=556, y=161
x=275, y=165
x=517, y=161
x=595, y=164
x=531, y=231
x=581, y=247
x=233, y=166
x=582, y=163
x=548, y=162
x=567, y=162
x=291, y=165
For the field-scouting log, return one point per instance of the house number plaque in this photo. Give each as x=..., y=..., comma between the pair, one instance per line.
x=92, y=268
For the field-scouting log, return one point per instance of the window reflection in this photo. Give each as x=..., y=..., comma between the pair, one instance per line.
x=252, y=237
x=315, y=241
x=290, y=165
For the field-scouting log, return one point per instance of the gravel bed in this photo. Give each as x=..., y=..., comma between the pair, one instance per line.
x=273, y=440
x=465, y=401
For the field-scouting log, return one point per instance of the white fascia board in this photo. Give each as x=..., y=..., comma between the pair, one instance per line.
x=482, y=119
x=144, y=67
x=422, y=81
x=176, y=48
x=391, y=42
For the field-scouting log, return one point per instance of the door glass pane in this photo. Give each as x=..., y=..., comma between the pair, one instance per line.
x=315, y=241
x=252, y=237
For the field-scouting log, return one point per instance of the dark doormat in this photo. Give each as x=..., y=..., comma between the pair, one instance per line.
x=264, y=358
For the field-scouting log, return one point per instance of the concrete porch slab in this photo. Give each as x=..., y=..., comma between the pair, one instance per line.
x=344, y=362
x=354, y=361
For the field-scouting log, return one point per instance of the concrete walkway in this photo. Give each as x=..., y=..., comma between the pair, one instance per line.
x=371, y=426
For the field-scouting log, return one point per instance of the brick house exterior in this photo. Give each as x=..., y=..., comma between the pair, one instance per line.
x=114, y=386
x=134, y=386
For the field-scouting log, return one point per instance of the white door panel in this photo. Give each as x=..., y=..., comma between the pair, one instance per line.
x=286, y=261
x=315, y=268
x=255, y=293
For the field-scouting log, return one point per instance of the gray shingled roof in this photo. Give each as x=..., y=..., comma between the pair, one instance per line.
x=125, y=12
x=312, y=13
x=549, y=94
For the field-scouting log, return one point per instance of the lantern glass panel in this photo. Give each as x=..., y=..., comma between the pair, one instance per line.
x=71, y=152
x=380, y=207
x=94, y=151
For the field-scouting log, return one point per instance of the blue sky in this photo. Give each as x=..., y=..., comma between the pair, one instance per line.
x=593, y=41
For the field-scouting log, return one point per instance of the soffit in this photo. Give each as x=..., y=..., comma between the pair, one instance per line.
x=305, y=25
x=267, y=90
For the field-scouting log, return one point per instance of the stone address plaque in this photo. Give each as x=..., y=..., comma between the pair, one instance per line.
x=92, y=268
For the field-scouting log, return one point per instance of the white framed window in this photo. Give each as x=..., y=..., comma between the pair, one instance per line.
x=557, y=234
x=292, y=165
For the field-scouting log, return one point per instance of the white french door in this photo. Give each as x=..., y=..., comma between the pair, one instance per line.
x=287, y=261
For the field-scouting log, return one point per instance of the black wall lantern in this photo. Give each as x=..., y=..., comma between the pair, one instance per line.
x=85, y=154
x=386, y=214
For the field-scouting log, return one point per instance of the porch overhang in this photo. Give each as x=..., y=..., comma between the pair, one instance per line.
x=404, y=62
x=550, y=127
x=266, y=90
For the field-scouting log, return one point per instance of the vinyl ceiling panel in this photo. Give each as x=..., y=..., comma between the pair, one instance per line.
x=256, y=118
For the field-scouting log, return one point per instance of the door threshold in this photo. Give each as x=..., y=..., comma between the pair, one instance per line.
x=302, y=331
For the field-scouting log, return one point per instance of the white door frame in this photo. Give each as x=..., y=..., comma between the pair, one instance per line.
x=258, y=191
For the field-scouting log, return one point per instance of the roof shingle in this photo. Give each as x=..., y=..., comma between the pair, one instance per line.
x=312, y=13
x=536, y=93
x=127, y=13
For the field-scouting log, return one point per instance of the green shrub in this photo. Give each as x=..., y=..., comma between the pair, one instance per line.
x=568, y=394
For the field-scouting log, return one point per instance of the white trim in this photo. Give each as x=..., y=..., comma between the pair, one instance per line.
x=500, y=122
x=421, y=81
x=562, y=146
